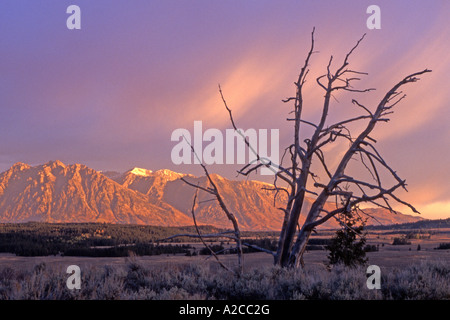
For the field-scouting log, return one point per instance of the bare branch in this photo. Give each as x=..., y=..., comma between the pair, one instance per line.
x=367, y=214
x=249, y=146
x=341, y=123
x=208, y=190
x=276, y=189
x=341, y=70
x=403, y=202
x=363, y=107
x=208, y=235
x=258, y=248
x=215, y=191
x=201, y=238
x=321, y=158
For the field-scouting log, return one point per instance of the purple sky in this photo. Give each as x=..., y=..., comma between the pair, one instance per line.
x=110, y=95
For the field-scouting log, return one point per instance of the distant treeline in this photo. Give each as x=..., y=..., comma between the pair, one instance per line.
x=99, y=233
x=101, y=239
x=119, y=240
x=422, y=224
x=87, y=239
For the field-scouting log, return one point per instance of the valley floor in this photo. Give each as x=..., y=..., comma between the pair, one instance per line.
x=387, y=257
x=406, y=273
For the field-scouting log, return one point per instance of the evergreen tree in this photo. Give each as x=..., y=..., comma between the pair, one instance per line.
x=347, y=246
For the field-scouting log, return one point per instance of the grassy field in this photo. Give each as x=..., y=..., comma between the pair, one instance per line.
x=191, y=278
x=388, y=256
x=407, y=273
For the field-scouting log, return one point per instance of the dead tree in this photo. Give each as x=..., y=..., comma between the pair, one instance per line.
x=213, y=190
x=234, y=234
x=347, y=191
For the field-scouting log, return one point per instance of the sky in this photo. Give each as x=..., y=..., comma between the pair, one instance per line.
x=110, y=94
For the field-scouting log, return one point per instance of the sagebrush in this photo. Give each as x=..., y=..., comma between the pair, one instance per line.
x=428, y=280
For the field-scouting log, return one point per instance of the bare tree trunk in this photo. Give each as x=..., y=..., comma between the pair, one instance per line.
x=291, y=227
x=296, y=256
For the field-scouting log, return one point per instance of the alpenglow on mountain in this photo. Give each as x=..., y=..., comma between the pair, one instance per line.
x=55, y=192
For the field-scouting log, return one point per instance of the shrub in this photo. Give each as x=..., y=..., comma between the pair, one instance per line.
x=444, y=246
x=400, y=241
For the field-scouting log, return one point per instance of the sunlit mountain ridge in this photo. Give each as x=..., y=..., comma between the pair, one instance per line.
x=56, y=192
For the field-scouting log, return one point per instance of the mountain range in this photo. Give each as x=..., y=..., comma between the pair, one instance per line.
x=56, y=192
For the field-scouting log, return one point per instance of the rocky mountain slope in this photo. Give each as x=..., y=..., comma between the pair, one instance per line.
x=55, y=192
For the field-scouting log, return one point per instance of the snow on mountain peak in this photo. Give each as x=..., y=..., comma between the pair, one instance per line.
x=170, y=175
x=141, y=172
x=167, y=172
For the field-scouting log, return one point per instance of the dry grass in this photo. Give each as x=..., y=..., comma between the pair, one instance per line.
x=406, y=274
x=388, y=256
x=134, y=280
